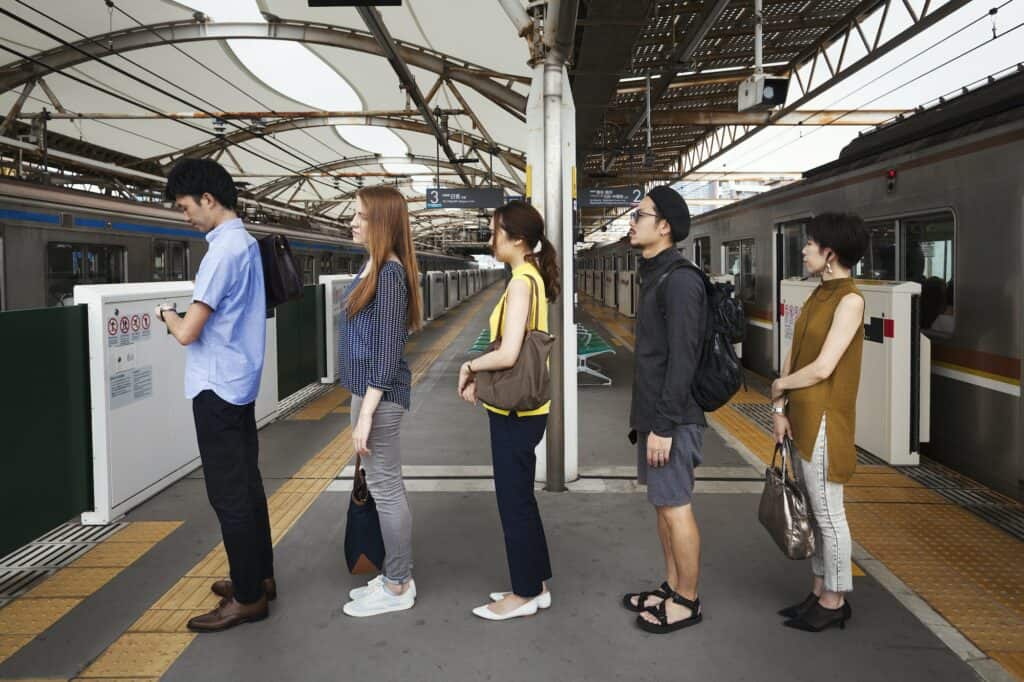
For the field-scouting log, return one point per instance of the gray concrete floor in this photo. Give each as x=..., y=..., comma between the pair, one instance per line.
x=602, y=544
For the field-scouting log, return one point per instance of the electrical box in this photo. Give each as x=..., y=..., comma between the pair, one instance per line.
x=762, y=92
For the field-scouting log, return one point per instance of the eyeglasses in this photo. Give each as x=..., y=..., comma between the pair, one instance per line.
x=635, y=216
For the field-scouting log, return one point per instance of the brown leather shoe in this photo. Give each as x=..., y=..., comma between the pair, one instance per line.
x=229, y=614
x=224, y=589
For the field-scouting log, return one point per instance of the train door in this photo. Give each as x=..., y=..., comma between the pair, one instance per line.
x=790, y=238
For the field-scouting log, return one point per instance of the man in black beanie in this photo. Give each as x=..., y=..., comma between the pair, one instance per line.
x=666, y=421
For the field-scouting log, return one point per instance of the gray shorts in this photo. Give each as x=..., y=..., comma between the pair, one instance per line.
x=671, y=485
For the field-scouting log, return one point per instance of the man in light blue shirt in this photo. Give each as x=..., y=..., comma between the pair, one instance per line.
x=224, y=331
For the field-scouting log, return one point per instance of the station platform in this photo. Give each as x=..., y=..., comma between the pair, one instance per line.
x=937, y=588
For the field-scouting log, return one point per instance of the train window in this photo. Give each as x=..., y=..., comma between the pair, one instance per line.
x=879, y=261
x=928, y=259
x=326, y=267
x=170, y=260
x=739, y=262
x=793, y=238
x=308, y=269
x=71, y=264
x=702, y=253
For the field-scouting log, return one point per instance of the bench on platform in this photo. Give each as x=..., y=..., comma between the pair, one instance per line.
x=589, y=344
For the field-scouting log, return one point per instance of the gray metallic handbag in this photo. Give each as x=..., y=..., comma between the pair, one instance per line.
x=784, y=510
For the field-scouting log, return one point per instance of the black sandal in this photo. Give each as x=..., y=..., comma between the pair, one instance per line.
x=662, y=593
x=663, y=626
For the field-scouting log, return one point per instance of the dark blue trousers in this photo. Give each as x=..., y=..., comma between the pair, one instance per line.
x=229, y=449
x=513, y=441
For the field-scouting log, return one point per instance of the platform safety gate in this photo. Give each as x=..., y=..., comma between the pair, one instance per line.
x=301, y=350
x=44, y=419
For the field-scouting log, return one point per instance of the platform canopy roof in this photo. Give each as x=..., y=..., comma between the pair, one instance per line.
x=304, y=105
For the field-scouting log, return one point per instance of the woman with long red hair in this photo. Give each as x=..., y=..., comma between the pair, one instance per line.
x=382, y=306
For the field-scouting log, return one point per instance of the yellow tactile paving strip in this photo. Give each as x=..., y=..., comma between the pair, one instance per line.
x=966, y=569
x=322, y=406
x=152, y=644
x=37, y=610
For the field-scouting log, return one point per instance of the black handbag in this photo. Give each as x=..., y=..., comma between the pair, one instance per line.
x=364, y=543
x=281, y=278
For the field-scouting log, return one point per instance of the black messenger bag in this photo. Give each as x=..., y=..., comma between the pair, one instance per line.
x=281, y=278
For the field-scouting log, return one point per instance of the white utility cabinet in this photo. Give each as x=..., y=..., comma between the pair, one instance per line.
x=143, y=433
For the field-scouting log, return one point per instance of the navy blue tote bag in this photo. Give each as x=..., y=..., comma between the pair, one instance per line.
x=364, y=543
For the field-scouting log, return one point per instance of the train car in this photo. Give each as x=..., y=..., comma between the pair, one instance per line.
x=52, y=239
x=941, y=192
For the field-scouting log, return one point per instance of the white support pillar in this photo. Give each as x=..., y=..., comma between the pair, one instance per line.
x=550, y=155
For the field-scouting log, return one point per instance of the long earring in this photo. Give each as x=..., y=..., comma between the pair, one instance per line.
x=828, y=267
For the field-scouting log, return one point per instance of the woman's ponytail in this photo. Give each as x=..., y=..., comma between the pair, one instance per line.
x=547, y=263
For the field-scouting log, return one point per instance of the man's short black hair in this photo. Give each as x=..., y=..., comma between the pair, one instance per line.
x=844, y=233
x=195, y=177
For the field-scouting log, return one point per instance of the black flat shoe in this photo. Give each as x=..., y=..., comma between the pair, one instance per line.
x=818, y=618
x=662, y=593
x=796, y=609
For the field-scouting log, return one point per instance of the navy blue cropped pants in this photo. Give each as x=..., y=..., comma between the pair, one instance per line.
x=513, y=443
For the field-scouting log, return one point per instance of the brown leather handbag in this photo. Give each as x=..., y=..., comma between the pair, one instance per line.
x=784, y=511
x=526, y=385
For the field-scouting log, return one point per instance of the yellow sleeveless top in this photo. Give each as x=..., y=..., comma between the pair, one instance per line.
x=526, y=271
x=837, y=395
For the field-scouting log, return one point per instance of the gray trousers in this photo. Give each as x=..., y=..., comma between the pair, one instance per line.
x=832, y=542
x=384, y=479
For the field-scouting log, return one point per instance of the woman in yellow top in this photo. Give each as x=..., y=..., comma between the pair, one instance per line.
x=820, y=378
x=517, y=238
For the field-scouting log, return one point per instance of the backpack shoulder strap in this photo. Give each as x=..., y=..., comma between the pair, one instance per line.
x=678, y=265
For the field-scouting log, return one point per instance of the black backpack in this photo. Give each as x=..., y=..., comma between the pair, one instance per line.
x=281, y=278
x=719, y=373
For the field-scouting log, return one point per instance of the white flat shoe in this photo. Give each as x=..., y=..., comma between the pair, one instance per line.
x=543, y=599
x=527, y=609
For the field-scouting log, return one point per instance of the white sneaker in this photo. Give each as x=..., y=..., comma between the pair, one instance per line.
x=360, y=592
x=379, y=601
x=527, y=609
x=543, y=599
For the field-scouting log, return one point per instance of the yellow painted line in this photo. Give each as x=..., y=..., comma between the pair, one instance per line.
x=322, y=406
x=37, y=610
x=152, y=644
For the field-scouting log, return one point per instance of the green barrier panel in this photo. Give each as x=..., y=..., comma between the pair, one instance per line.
x=300, y=342
x=45, y=435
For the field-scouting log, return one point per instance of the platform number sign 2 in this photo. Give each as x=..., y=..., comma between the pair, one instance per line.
x=638, y=195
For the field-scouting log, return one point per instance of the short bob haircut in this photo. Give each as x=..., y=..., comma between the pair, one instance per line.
x=195, y=177
x=844, y=233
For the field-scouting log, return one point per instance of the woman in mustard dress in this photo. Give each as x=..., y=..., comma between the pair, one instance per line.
x=819, y=381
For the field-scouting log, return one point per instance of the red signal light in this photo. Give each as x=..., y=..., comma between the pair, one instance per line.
x=890, y=177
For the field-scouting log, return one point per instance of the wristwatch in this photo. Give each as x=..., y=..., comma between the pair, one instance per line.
x=779, y=409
